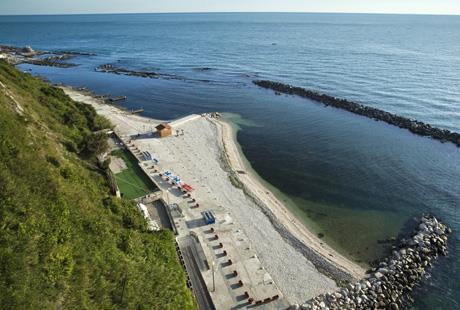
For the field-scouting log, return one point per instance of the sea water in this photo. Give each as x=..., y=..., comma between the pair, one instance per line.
x=355, y=181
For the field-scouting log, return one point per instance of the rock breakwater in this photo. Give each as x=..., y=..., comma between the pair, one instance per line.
x=109, y=68
x=18, y=55
x=390, y=284
x=414, y=126
x=113, y=69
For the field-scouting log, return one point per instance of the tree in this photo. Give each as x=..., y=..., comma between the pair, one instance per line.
x=95, y=144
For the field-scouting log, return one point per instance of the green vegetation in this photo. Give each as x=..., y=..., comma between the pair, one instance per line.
x=132, y=182
x=65, y=243
x=235, y=181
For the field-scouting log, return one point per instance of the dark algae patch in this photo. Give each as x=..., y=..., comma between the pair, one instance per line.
x=65, y=242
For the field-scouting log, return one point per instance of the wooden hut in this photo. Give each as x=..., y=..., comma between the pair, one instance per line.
x=164, y=130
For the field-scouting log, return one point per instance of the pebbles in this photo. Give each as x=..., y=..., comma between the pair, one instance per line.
x=389, y=286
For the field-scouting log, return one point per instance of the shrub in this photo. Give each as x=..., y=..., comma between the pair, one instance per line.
x=64, y=242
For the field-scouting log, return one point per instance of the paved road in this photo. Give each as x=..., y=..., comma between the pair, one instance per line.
x=199, y=288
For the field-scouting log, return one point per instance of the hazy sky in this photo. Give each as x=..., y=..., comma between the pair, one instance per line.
x=127, y=6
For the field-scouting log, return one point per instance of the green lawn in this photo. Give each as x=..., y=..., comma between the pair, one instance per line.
x=133, y=182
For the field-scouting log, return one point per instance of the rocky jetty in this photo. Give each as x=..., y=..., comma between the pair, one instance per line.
x=390, y=284
x=76, y=53
x=18, y=55
x=414, y=126
x=109, y=68
x=53, y=61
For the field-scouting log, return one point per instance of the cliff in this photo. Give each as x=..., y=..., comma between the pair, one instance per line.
x=65, y=242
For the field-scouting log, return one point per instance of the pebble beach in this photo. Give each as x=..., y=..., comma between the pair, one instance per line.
x=206, y=156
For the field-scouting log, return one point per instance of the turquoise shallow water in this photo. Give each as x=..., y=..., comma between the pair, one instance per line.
x=352, y=179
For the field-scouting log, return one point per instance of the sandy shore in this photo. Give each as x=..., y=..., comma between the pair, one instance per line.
x=208, y=158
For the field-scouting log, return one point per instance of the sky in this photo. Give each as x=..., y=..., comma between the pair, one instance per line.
x=18, y=7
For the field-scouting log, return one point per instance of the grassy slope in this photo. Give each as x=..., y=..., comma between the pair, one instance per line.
x=133, y=182
x=64, y=242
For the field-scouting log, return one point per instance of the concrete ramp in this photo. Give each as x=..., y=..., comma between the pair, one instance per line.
x=181, y=121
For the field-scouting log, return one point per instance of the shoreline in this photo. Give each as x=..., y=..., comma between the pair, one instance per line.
x=287, y=201
x=325, y=258
x=390, y=285
x=279, y=238
x=329, y=261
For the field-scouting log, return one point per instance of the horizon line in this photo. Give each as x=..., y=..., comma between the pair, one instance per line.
x=234, y=12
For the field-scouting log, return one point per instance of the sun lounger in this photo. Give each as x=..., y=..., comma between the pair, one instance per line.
x=146, y=155
x=208, y=217
x=187, y=187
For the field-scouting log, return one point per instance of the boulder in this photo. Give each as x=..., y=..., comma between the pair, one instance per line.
x=390, y=285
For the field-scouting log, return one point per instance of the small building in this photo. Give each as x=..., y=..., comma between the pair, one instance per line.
x=164, y=130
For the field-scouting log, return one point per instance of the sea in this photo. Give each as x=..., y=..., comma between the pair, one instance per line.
x=356, y=182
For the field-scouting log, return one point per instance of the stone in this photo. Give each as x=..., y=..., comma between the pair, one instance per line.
x=378, y=275
x=394, y=306
x=383, y=270
x=392, y=282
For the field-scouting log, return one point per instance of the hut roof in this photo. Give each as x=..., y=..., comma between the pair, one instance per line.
x=163, y=126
